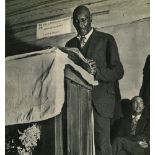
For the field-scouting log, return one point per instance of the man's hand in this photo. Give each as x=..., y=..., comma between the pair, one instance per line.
x=143, y=144
x=92, y=65
x=74, y=58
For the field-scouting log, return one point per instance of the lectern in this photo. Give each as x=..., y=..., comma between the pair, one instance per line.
x=70, y=132
x=78, y=114
x=73, y=127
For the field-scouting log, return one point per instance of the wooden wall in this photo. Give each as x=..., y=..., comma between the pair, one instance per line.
x=127, y=20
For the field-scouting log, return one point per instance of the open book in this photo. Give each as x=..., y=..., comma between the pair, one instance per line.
x=76, y=56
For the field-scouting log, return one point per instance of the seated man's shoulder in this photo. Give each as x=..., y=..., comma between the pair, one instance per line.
x=146, y=114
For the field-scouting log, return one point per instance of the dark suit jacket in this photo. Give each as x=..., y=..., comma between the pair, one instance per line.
x=122, y=127
x=102, y=48
x=145, y=88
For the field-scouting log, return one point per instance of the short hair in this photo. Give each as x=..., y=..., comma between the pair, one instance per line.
x=134, y=98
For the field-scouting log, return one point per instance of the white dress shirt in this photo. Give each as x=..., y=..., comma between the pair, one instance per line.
x=86, y=36
x=135, y=119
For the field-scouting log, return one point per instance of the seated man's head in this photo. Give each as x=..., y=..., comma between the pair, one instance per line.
x=137, y=104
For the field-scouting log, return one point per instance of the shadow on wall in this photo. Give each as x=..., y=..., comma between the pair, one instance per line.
x=126, y=107
x=14, y=46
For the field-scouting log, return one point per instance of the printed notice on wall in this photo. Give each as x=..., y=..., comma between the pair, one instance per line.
x=53, y=28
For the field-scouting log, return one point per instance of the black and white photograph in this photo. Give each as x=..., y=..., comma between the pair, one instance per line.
x=77, y=77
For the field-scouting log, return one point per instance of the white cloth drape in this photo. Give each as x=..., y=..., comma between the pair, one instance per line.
x=35, y=85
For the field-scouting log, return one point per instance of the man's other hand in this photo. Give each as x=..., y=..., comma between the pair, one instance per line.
x=143, y=144
x=92, y=65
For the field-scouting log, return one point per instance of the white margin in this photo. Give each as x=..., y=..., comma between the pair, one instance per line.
x=2, y=78
x=152, y=76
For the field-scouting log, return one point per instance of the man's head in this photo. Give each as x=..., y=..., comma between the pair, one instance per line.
x=82, y=20
x=137, y=104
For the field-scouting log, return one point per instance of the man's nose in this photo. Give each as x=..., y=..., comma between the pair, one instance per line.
x=81, y=24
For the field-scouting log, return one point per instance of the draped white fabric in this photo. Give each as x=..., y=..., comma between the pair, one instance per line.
x=35, y=85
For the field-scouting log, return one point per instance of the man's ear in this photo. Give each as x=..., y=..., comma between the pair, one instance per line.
x=74, y=22
x=90, y=18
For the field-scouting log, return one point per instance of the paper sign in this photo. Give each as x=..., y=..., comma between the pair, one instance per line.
x=53, y=28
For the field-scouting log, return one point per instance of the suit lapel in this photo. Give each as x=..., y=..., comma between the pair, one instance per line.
x=92, y=44
x=77, y=43
x=141, y=124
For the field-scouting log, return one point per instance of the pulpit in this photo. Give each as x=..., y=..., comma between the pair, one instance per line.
x=78, y=114
x=70, y=132
x=73, y=132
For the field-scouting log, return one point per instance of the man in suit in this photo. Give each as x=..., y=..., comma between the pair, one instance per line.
x=101, y=52
x=132, y=131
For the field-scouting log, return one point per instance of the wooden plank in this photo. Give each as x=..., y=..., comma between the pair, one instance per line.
x=62, y=39
x=47, y=145
x=75, y=125
x=126, y=12
x=78, y=119
x=90, y=125
x=18, y=6
x=68, y=117
x=58, y=135
x=63, y=9
x=84, y=122
x=49, y=11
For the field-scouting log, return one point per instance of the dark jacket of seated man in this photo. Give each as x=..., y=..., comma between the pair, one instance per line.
x=132, y=131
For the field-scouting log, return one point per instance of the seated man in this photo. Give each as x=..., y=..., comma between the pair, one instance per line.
x=132, y=133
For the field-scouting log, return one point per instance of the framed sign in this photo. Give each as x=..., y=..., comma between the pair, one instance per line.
x=53, y=28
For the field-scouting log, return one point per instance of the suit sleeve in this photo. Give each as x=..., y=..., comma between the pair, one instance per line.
x=114, y=70
x=146, y=79
x=145, y=135
x=68, y=44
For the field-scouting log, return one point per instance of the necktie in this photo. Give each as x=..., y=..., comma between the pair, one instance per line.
x=82, y=41
x=134, y=125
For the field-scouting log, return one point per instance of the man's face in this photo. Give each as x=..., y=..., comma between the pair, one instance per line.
x=82, y=22
x=138, y=105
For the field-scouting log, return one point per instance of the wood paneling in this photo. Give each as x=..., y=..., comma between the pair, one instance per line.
x=23, y=16
x=79, y=135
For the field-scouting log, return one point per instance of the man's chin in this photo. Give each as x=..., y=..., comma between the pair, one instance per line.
x=138, y=112
x=82, y=32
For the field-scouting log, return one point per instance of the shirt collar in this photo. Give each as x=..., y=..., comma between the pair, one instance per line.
x=137, y=116
x=87, y=35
